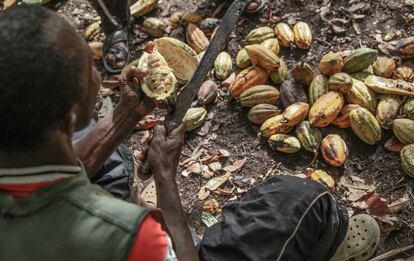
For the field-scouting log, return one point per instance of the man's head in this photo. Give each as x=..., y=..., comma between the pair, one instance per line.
x=47, y=79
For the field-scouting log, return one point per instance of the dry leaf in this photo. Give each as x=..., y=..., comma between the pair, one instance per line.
x=215, y=166
x=224, y=153
x=210, y=158
x=149, y=122
x=216, y=182
x=235, y=166
x=388, y=219
x=194, y=168
x=203, y=193
x=376, y=206
x=211, y=206
x=225, y=192
x=356, y=187
x=399, y=204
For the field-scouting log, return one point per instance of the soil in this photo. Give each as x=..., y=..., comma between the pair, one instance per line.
x=363, y=23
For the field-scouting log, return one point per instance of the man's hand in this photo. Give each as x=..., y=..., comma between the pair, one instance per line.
x=164, y=153
x=131, y=93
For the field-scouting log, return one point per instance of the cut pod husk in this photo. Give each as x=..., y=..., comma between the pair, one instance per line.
x=324, y=111
x=223, y=66
x=284, y=143
x=261, y=112
x=407, y=159
x=387, y=111
x=194, y=118
x=404, y=130
x=389, y=86
x=359, y=60
x=365, y=126
x=334, y=150
x=302, y=35
x=405, y=47
x=259, y=94
x=310, y=137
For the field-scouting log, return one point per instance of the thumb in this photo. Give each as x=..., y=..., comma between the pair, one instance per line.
x=159, y=132
x=178, y=132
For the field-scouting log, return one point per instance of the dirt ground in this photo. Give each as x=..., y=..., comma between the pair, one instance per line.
x=336, y=25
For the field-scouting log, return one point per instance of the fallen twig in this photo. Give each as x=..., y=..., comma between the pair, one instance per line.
x=393, y=253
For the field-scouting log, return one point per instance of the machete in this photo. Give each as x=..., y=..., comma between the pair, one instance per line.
x=189, y=91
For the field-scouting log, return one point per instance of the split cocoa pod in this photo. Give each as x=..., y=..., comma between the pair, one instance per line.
x=324, y=111
x=342, y=121
x=389, y=86
x=407, y=159
x=249, y=77
x=404, y=73
x=259, y=94
x=387, y=111
x=302, y=35
x=331, y=63
x=284, y=143
x=334, y=150
x=194, y=118
x=384, y=67
x=404, y=130
x=405, y=47
x=365, y=126
x=261, y=112
x=262, y=56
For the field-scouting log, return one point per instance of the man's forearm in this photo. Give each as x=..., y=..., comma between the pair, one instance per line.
x=170, y=204
x=96, y=147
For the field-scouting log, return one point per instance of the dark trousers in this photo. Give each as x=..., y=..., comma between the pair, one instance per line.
x=284, y=218
x=119, y=10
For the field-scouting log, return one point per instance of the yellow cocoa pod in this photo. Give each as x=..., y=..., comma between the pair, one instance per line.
x=223, y=66
x=194, y=118
x=317, y=88
x=404, y=130
x=405, y=47
x=334, y=150
x=258, y=35
x=274, y=125
x=154, y=27
x=324, y=111
x=284, y=143
x=295, y=113
x=284, y=34
x=242, y=59
x=265, y=58
x=331, y=63
x=365, y=126
x=272, y=44
x=384, y=67
x=97, y=49
x=279, y=76
x=302, y=35
x=323, y=177
x=142, y=7
x=340, y=82
x=249, y=77
x=303, y=73
x=360, y=94
x=342, y=120
x=404, y=73
x=407, y=159
x=92, y=30
x=261, y=112
x=387, y=111
x=191, y=17
x=260, y=94
x=196, y=38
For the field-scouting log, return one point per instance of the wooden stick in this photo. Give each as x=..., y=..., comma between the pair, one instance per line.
x=393, y=253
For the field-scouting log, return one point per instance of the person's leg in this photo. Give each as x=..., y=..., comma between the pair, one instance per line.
x=284, y=218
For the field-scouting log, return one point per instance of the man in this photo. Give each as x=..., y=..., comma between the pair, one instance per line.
x=50, y=211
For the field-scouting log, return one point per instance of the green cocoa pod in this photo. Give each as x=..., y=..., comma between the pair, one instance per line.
x=194, y=118
x=154, y=27
x=365, y=126
x=407, y=109
x=284, y=143
x=258, y=35
x=279, y=76
x=407, y=159
x=359, y=60
x=360, y=94
x=340, y=82
x=258, y=95
x=387, y=111
x=309, y=136
x=317, y=88
x=404, y=130
x=243, y=60
x=223, y=66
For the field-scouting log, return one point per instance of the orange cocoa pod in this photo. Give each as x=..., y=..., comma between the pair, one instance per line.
x=342, y=121
x=334, y=150
x=325, y=110
x=249, y=77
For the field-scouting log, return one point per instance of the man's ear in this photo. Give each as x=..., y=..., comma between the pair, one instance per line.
x=69, y=123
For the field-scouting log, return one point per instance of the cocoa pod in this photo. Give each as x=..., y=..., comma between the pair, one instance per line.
x=334, y=150
x=394, y=145
x=309, y=136
x=360, y=94
x=223, y=65
x=279, y=76
x=284, y=34
x=207, y=92
x=194, y=118
x=259, y=94
x=317, y=88
x=342, y=121
x=208, y=25
x=405, y=47
x=359, y=60
x=387, y=111
x=303, y=73
x=96, y=49
x=365, y=126
x=249, y=77
x=360, y=76
x=323, y=178
x=331, y=63
x=403, y=129
x=384, y=66
x=271, y=44
x=142, y=7
x=242, y=59
x=324, y=111
x=92, y=30
x=295, y=113
x=273, y=125
x=154, y=27
x=258, y=35
x=284, y=143
x=265, y=58
x=404, y=73
x=196, y=38
x=291, y=93
x=302, y=35
x=407, y=109
x=175, y=19
x=389, y=86
x=190, y=18
x=227, y=82
x=261, y=112
x=340, y=82
x=407, y=159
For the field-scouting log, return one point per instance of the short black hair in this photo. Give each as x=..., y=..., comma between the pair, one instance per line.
x=39, y=84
